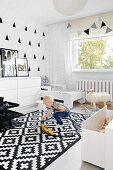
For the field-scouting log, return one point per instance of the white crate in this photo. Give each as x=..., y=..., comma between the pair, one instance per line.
x=93, y=141
x=109, y=147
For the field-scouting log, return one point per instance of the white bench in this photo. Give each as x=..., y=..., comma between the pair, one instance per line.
x=67, y=96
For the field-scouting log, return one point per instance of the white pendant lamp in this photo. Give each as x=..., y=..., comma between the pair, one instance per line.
x=69, y=7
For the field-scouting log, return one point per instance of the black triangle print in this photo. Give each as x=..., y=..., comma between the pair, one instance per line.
x=108, y=30
x=25, y=28
x=24, y=55
x=7, y=38
x=43, y=58
x=19, y=41
x=34, y=56
x=38, y=44
x=29, y=42
x=35, y=32
x=87, y=31
x=14, y=25
x=43, y=34
x=29, y=69
x=103, y=24
x=94, y=26
x=38, y=69
x=1, y=20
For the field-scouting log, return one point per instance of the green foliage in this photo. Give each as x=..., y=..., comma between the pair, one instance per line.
x=92, y=54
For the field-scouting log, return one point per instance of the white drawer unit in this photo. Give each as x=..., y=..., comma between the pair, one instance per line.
x=29, y=82
x=23, y=90
x=8, y=84
x=9, y=95
x=26, y=92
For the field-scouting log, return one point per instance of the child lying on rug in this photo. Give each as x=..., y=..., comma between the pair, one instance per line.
x=58, y=110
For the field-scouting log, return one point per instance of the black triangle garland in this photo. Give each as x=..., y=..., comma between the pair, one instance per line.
x=35, y=31
x=103, y=24
x=24, y=55
x=7, y=38
x=14, y=25
x=29, y=42
x=108, y=30
x=79, y=33
x=94, y=26
x=1, y=20
x=19, y=41
x=34, y=56
x=25, y=28
x=38, y=44
x=87, y=31
x=68, y=25
x=43, y=34
x=29, y=69
x=43, y=58
x=38, y=69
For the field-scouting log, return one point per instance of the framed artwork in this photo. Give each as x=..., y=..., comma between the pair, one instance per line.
x=22, y=67
x=8, y=62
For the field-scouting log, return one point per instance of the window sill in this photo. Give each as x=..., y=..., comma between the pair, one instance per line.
x=92, y=70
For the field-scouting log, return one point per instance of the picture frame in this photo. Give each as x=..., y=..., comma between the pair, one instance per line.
x=8, y=62
x=22, y=67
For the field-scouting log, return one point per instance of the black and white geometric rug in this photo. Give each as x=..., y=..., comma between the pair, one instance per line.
x=26, y=148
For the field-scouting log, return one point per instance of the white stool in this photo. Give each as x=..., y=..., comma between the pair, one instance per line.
x=41, y=105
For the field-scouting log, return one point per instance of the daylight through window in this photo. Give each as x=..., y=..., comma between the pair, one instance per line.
x=93, y=53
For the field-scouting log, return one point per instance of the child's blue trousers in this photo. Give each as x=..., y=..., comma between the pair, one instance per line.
x=59, y=115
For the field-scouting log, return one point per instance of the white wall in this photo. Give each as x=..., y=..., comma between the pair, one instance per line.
x=6, y=28
x=57, y=33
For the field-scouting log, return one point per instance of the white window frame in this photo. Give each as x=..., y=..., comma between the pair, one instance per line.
x=74, y=57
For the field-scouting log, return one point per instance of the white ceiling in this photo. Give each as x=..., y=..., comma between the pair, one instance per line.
x=43, y=11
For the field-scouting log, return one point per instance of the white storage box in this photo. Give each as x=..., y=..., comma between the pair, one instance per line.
x=93, y=141
x=109, y=147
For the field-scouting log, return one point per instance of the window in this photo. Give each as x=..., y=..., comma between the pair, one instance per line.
x=94, y=53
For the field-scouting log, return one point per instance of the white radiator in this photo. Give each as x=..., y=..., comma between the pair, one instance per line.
x=97, y=85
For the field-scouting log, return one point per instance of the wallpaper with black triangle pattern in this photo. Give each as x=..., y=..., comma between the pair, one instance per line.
x=30, y=42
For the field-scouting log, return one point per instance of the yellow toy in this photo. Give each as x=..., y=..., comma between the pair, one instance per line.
x=46, y=130
x=105, y=123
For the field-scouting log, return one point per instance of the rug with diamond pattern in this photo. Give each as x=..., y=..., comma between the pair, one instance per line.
x=25, y=147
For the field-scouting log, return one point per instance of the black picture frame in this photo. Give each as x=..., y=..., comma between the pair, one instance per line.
x=8, y=62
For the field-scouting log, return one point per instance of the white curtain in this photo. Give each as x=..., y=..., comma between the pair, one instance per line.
x=60, y=59
x=68, y=59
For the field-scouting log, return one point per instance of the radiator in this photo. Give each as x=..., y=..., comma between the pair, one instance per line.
x=97, y=85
